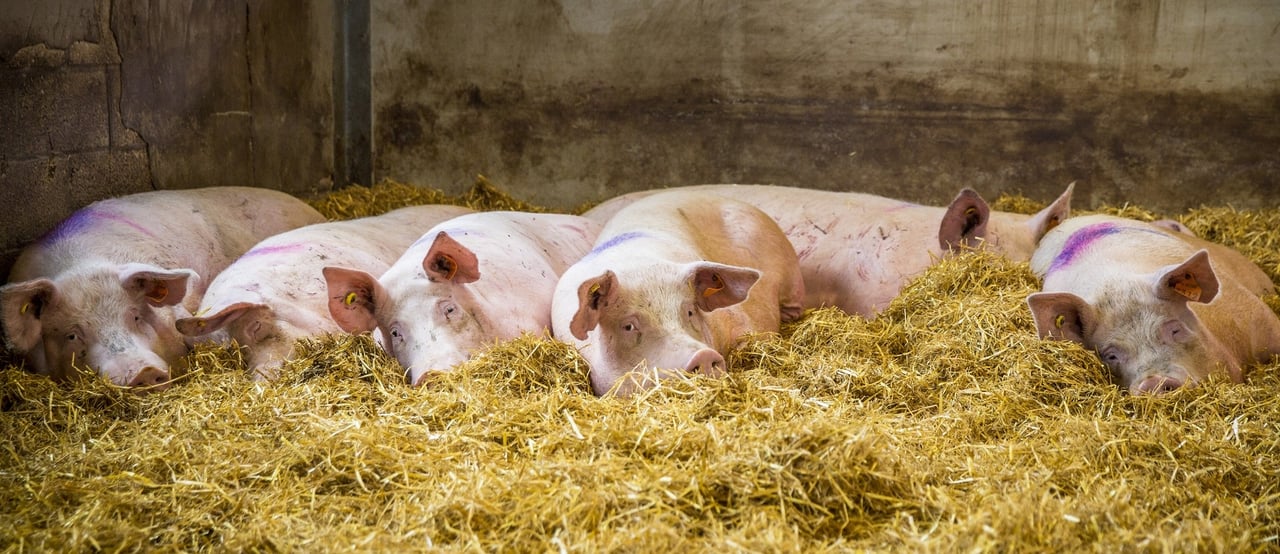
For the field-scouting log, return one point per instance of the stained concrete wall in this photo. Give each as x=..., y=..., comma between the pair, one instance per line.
x=1167, y=103
x=100, y=98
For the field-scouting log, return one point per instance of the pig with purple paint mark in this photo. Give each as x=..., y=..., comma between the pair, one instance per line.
x=1162, y=308
x=102, y=289
x=858, y=250
x=675, y=280
x=276, y=292
x=468, y=282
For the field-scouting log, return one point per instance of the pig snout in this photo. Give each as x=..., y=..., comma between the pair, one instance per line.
x=707, y=362
x=150, y=379
x=1156, y=384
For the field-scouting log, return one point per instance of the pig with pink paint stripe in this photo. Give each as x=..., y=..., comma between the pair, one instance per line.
x=276, y=292
x=102, y=289
x=1163, y=308
x=858, y=250
x=468, y=282
x=675, y=280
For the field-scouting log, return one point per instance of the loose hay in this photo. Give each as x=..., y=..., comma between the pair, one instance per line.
x=943, y=425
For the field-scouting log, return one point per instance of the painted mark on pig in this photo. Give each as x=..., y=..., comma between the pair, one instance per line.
x=614, y=241
x=270, y=250
x=1086, y=236
x=83, y=220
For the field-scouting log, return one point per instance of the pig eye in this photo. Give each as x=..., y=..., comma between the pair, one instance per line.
x=71, y=337
x=1111, y=356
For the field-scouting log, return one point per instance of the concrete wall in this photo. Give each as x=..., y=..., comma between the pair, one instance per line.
x=100, y=98
x=1168, y=103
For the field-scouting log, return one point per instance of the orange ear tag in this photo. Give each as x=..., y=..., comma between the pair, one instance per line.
x=350, y=299
x=717, y=285
x=1059, y=321
x=1188, y=287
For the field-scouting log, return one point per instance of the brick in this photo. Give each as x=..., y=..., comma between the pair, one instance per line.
x=53, y=110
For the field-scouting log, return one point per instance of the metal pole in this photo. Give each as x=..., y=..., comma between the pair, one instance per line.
x=352, y=95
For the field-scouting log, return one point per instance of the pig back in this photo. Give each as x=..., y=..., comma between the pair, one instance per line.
x=203, y=230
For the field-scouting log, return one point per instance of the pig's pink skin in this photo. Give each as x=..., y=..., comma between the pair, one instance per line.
x=434, y=321
x=651, y=321
x=276, y=293
x=1109, y=279
x=80, y=292
x=858, y=250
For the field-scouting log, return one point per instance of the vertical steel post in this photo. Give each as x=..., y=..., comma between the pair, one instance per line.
x=352, y=95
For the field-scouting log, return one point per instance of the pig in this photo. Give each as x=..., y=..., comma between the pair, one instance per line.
x=672, y=284
x=467, y=282
x=103, y=288
x=276, y=293
x=1162, y=308
x=858, y=250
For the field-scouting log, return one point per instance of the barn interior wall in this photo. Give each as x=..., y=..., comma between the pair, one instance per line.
x=1167, y=103
x=101, y=98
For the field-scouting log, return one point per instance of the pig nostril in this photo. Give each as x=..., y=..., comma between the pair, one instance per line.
x=150, y=379
x=1157, y=384
x=707, y=362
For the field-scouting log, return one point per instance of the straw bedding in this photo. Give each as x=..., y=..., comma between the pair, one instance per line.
x=943, y=425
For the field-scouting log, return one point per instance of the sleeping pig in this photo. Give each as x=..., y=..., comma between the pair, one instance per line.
x=1162, y=308
x=467, y=282
x=103, y=288
x=276, y=292
x=857, y=250
x=673, y=282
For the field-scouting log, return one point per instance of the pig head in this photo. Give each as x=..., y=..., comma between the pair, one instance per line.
x=1159, y=331
x=117, y=320
x=655, y=317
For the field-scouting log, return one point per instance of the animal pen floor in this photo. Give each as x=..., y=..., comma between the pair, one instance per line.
x=943, y=425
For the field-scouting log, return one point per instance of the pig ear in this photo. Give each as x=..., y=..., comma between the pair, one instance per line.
x=1191, y=281
x=159, y=286
x=354, y=297
x=449, y=260
x=718, y=286
x=1050, y=217
x=210, y=323
x=1060, y=315
x=594, y=295
x=21, y=305
x=964, y=222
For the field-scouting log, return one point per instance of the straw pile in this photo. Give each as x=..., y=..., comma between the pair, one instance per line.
x=944, y=425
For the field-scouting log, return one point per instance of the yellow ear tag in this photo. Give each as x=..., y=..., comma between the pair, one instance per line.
x=594, y=289
x=971, y=212
x=1059, y=321
x=350, y=299
x=23, y=311
x=1188, y=287
x=202, y=324
x=717, y=286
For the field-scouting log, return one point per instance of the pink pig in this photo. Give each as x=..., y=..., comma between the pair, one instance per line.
x=276, y=292
x=468, y=281
x=673, y=282
x=857, y=250
x=103, y=288
x=1162, y=308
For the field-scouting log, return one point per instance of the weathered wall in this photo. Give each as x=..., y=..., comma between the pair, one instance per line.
x=1168, y=103
x=100, y=98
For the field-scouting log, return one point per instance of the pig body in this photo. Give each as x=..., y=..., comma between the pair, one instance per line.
x=104, y=287
x=857, y=250
x=276, y=292
x=467, y=282
x=673, y=282
x=1161, y=307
